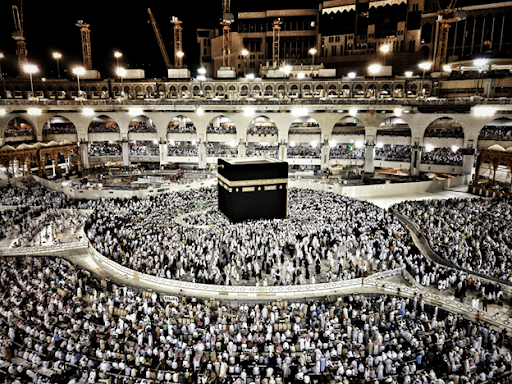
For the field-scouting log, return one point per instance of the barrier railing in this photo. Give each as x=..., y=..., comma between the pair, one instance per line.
x=408, y=223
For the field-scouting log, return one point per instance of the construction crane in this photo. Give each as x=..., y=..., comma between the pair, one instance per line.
x=178, y=42
x=86, y=43
x=159, y=39
x=227, y=19
x=446, y=16
x=21, y=45
x=276, y=27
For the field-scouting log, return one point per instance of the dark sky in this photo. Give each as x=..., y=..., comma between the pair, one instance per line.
x=115, y=25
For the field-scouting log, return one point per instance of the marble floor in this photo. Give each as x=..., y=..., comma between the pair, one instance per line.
x=385, y=202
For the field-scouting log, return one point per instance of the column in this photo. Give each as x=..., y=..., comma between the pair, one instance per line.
x=415, y=161
x=468, y=159
x=324, y=157
x=368, y=157
x=28, y=166
x=16, y=167
x=163, y=153
x=201, y=153
x=283, y=147
x=242, y=149
x=53, y=168
x=125, y=146
x=84, y=154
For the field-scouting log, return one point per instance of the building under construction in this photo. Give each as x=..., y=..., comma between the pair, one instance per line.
x=349, y=34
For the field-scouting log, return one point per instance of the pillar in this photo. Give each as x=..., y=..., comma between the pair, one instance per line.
x=201, y=153
x=468, y=160
x=125, y=146
x=415, y=161
x=16, y=167
x=324, y=157
x=163, y=153
x=283, y=147
x=368, y=158
x=84, y=154
x=242, y=149
x=53, y=168
x=28, y=166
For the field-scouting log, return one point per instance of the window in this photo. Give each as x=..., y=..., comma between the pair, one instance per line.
x=333, y=50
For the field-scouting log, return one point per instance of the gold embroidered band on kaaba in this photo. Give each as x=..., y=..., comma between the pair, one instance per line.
x=251, y=183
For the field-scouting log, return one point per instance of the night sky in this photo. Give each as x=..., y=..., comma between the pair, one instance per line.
x=115, y=25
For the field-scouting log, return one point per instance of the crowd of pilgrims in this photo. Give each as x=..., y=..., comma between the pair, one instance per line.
x=181, y=150
x=176, y=128
x=442, y=155
x=141, y=127
x=393, y=152
x=144, y=148
x=474, y=234
x=326, y=237
x=454, y=132
x=222, y=129
x=104, y=148
x=221, y=151
x=263, y=150
x=18, y=132
x=57, y=129
x=303, y=151
x=262, y=130
x=496, y=132
x=38, y=211
x=100, y=127
x=346, y=152
x=61, y=325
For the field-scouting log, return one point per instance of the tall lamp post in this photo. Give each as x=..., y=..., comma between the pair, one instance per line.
x=121, y=72
x=287, y=69
x=384, y=49
x=30, y=69
x=408, y=75
x=480, y=63
x=201, y=77
x=352, y=76
x=117, y=55
x=57, y=56
x=78, y=71
x=425, y=66
x=313, y=51
x=374, y=69
x=1, y=74
x=300, y=76
x=245, y=52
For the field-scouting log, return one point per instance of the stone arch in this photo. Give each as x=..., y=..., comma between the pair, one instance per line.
x=348, y=126
x=181, y=124
x=141, y=124
x=304, y=138
x=263, y=126
x=497, y=130
x=19, y=129
x=59, y=125
x=446, y=127
x=103, y=124
x=221, y=125
x=394, y=126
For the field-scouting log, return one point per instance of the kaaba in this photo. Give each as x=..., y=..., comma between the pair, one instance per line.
x=253, y=188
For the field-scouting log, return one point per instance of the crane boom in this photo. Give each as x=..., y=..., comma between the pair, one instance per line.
x=446, y=16
x=178, y=42
x=159, y=39
x=227, y=19
x=86, y=43
x=17, y=35
x=276, y=26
